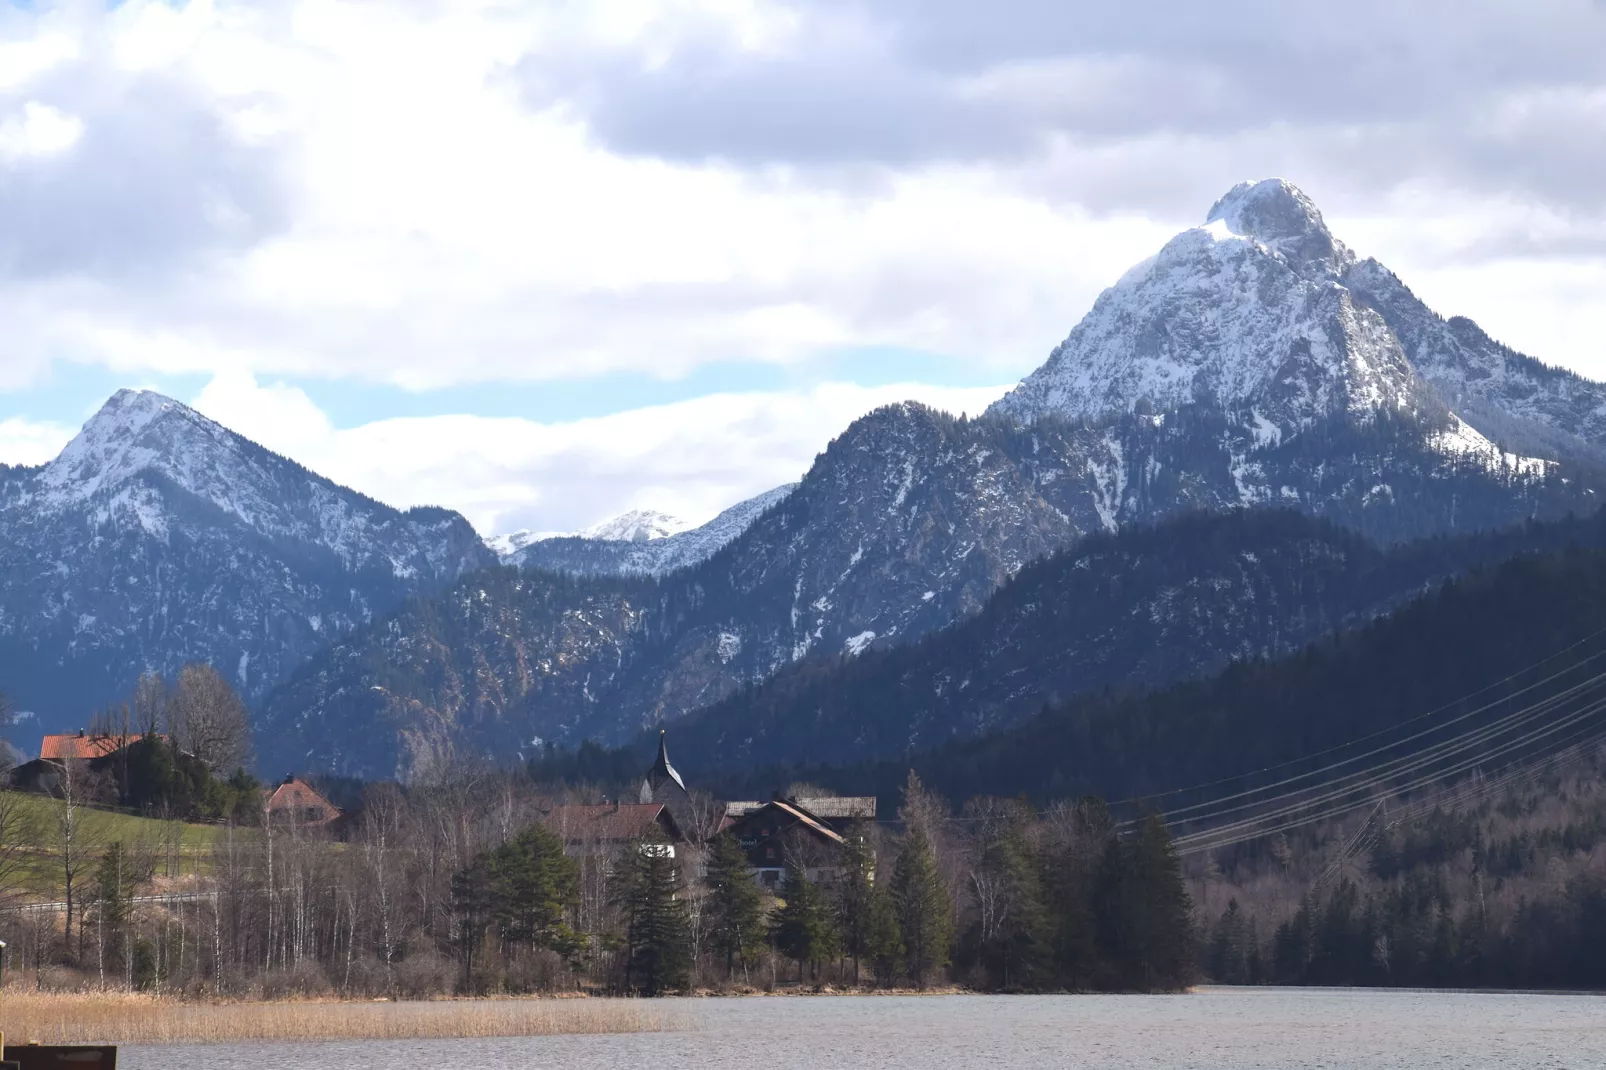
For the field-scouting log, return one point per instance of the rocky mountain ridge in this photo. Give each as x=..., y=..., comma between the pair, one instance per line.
x=158, y=537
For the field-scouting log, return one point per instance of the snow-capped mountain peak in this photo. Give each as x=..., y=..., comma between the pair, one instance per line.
x=114, y=444
x=637, y=525
x=1278, y=215
x=1244, y=313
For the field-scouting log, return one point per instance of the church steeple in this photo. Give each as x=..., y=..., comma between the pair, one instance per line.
x=661, y=775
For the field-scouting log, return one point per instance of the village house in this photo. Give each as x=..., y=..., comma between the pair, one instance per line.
x=807, y=832
x=603, y=828
x=295, y=802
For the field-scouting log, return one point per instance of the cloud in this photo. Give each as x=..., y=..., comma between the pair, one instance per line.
x=31, y=442
x=37, y=130
x=691, y=458
x=432, y=194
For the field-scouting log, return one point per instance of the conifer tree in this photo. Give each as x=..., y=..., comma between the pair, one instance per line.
x=924, y=913
x=883, y=944
x=657, y=931
x=1146, y=920
x=533, y=885
x=854, y=897
x=804, y=929
x=735, y=906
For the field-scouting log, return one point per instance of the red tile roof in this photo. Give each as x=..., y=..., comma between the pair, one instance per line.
x=296, y=796
x=78, y=745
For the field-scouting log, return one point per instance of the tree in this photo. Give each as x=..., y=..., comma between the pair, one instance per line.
x=208, y=719
x=656, y=928
x=735, y=907
x=150, y=702
x=114, y=902
x=533, y=886
x=803, y=926
x=855, y=895
x=19, y=837
x=883, y=942
x=924, y=913
x=1146, y=921
x=1008, y=935
x=473, y=907
x=74, y=838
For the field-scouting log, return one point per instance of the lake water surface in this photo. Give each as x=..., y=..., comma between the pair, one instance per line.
x=1232, y=1029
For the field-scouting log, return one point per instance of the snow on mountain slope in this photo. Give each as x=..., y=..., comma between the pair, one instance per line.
x=158, y=537
x=642, y=542
x=1244, y=365
x=1243, y=311
x=637, y=525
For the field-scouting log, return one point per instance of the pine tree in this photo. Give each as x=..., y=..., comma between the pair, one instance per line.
x=657, y=931
x=1146, y=921
x=804, y=929
x=883, y=942
x=114, y=893
x=533, y=885
x=735, y=906
x=925, y=918
x=854, y=897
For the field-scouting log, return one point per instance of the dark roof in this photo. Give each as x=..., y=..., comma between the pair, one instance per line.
x=662, y=772
x=830, y=807
x=802, y=817
x=610, y=822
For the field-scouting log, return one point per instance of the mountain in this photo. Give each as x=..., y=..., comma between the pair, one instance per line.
x=158, y=537
x=638, y=542
x=1506, y=636
x=1145, y=607
x=1244, y=365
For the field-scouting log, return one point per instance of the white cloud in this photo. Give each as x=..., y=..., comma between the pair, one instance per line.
x=691, y=458
x=437, y=193
x=31, y=442
x=38, y=130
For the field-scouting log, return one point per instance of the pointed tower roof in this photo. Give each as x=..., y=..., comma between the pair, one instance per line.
x=662, y=772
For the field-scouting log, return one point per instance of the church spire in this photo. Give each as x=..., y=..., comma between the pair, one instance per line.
x=661, y=774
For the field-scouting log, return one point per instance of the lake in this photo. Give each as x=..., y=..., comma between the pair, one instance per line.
x=1233, y=1029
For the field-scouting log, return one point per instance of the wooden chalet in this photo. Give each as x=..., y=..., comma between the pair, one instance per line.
x=785, y=830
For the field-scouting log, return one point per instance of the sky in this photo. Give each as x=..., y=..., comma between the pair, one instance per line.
x=546, y=262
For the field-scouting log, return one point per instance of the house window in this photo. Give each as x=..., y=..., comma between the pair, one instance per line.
x=769, y=852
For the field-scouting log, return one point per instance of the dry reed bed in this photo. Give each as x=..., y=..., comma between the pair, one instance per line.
x=121, y=1019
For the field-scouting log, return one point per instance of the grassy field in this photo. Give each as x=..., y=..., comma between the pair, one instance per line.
x=99, y=828
x=107, y=1018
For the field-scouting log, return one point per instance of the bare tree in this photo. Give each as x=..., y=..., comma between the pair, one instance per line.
x=150, y=703
x=208, y=719
x=19, y=837
x=74, y=838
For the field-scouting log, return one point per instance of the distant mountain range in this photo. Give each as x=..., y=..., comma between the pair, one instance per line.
x=637, y=543
x=1254, y=361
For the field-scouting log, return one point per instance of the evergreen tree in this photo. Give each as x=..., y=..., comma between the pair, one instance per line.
x=533, y=885
x=1010, y=938
x=114, y=894
x=1146, y=922
x=854, y=896
x=735, y=906
x=883, y=941
x=925, y=923
x=804, y=929
x=657, y=931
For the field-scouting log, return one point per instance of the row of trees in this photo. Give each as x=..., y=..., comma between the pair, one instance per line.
x=1002, y=898
x=460, y=886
